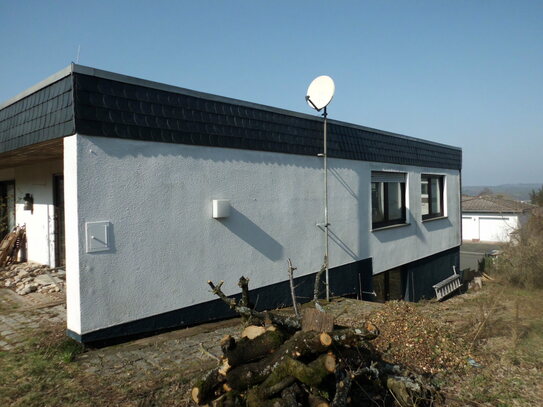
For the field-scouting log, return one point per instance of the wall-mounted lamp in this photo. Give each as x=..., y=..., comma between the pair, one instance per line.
x=29, y=202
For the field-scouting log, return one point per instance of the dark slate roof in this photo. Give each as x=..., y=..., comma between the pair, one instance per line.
x=493, y=204
x=98, y=103
x=43, y=114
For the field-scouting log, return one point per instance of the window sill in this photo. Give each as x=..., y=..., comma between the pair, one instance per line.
x=436, y=218
x=399, y=225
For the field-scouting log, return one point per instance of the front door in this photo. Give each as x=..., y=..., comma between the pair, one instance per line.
x=7, y=207
x=58, y=203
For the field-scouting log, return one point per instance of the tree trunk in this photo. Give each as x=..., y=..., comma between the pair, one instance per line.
x=315, y=320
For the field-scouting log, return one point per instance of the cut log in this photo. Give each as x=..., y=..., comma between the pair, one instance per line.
x=343, y=387
x=300, y=344
x=204, y=388
x=317, y=401
x=252, y=331
x=224, y=367
x=311, y=374
x=230, y=399
x=315, y=320
x=355, y=359
x=291, y=394
x=355, y=336
x=248, y=350
x=286, y=372
x=227, y=343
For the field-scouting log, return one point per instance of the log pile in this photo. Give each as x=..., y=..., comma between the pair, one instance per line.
x=11, y=244
x=288, y=360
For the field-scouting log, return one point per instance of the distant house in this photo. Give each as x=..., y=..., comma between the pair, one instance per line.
x=490, y=218
x=146, y=191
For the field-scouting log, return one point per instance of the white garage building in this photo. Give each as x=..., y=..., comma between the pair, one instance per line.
x=125, y=172
x=491, y=219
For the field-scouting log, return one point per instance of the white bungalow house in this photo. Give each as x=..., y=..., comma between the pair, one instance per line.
x=122, y=175
x=492, y=219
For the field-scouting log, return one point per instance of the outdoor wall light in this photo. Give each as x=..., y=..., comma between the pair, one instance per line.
x=29, y=202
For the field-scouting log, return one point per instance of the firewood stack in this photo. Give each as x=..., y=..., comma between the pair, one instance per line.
x=11, y=244
x=285, y=360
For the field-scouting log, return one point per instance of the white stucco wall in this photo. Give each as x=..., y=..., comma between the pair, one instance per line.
x=37, y=180
x=165, y=244
x=489, y=227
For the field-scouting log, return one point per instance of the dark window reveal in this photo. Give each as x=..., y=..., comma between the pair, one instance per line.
x=431, y=191
x=387, y=199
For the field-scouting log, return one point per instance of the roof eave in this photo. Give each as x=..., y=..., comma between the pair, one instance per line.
x=46, y=82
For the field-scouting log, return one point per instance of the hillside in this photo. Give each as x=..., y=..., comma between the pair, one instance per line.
x=520, y=192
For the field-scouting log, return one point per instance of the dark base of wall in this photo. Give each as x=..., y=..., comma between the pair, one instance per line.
x=344, y=280
x=424, y=273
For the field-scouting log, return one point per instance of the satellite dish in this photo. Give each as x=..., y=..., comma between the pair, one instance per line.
x=320, y=92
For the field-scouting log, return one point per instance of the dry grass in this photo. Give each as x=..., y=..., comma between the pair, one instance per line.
x=503, y=331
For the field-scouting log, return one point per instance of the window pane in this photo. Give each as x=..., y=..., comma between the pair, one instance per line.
x=377, y=202
x=394, y=200
x=395, y=291
x=425, y=207
x=436, y=195
x=379, y=288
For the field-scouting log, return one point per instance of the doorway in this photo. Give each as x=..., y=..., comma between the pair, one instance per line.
x=59, y=235
x=7, y=207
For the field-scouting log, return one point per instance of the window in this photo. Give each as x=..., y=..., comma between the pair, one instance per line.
x=387, y=199
x=431, y=192
x=389, y=285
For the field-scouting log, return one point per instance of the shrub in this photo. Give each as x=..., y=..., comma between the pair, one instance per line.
x=521, y=261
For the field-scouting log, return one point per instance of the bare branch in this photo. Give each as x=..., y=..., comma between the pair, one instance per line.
x=291, y=269
x=244, y=285
x=232, y=303
x=285, y=321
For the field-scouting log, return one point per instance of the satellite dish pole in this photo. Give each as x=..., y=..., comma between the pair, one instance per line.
x=319, y=95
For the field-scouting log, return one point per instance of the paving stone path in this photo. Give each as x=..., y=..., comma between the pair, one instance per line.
x=19, y=316
x=160, y=354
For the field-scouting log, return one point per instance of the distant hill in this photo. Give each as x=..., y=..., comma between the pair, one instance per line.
x=520, y=192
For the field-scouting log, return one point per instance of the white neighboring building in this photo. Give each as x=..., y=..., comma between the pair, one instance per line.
x=491, y=219
x=125, y=171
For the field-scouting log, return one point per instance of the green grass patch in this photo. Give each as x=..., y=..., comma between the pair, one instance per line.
x=41, y=373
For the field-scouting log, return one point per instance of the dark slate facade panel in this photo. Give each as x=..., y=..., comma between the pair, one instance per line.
x=109, y=108
x=43, y=115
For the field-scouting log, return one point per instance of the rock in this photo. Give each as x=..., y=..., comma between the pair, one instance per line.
x=43, y=279
x=22, y=273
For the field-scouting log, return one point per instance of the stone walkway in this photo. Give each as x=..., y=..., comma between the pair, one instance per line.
x=20, y=315
x=152, y=356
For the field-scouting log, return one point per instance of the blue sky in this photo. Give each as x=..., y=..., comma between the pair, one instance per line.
x=466, y=73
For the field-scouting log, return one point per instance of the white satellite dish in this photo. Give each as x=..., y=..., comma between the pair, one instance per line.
x=320, y=92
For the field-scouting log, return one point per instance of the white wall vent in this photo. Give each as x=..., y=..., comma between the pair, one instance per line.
x=221, y=208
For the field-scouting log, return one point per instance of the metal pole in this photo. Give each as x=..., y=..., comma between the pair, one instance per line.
x=326, y=263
